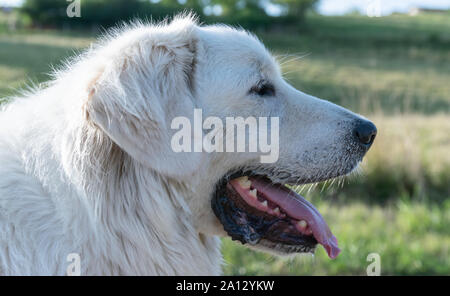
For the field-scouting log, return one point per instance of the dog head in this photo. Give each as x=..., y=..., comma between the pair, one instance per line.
x=164, y=91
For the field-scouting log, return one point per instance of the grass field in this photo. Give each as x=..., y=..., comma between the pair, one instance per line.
x=393, y=70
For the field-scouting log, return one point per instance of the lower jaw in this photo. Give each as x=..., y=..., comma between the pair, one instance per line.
x=258, y=229
x=284, y=249
x=256, y=211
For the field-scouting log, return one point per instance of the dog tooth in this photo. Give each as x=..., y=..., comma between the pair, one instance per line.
x=243, y=178
x=302, y=224
x=244, y=182
x=264, y=203
x=277, y=211
x=253, y=193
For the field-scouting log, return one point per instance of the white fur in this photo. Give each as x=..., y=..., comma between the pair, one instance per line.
x=86, y=165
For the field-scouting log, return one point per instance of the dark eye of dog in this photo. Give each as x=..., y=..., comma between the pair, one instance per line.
x=263, y=89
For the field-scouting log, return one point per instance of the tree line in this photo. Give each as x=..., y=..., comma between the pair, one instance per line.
x=106, y=13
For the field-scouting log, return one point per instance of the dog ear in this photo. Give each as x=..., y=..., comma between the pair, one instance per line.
x=142, y=88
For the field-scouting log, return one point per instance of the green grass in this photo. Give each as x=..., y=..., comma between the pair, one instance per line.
x=393, y=70
x=389, y=64
x=28, y=57
x=411, y=239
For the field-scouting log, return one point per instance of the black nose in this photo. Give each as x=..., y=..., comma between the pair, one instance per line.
x=365, y=131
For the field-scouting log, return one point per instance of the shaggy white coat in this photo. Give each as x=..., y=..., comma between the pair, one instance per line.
x=86, y=165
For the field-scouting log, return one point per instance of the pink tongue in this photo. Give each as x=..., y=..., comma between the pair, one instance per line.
x=299, y=208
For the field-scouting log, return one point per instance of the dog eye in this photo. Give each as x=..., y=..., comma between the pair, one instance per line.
x=263, y=90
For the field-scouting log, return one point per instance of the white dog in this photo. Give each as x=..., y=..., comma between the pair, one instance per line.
x=87, y=167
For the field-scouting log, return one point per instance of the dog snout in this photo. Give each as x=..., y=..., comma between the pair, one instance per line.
x=365, y=132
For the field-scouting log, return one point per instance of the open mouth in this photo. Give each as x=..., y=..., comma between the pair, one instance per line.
x=256, y=211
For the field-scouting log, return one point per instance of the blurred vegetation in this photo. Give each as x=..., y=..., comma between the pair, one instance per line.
x=106, y=13
x=411, y=239
x=393, y=70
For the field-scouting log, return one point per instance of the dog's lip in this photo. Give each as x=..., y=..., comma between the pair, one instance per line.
x=296, y=207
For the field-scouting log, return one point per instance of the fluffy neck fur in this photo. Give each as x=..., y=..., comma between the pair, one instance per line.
x=121, y=217
x=137, y=214
x=81, y=193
